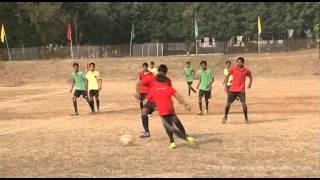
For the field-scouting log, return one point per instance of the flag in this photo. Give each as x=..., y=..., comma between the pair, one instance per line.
x=132, y=31
x=259, y=25
x=196, y=29
x=69, y=37
x=3, y=34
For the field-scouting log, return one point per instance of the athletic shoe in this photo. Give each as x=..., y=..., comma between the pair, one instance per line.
x=149, y=115
x=172, y=145
x=190, y=140
x=75, y=114
x=246, y=120
x=92, y=113
x=145, y=135
x=224, y=120
x=205, y=112
x=200, y=112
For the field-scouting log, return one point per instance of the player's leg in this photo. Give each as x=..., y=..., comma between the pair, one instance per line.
x=194, y=91
x=148, y=108
x=142, y=97
x=85, y=96
x=74, y=100
x=242, y=97
x=231, y=97
x=207, y=97
x=189, y=89
x=91, y=101
x=201, y=94
x=97, y=100
x=167, y=123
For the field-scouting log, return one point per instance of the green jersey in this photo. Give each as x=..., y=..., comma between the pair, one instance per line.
x=79, y=78
x=188, y=74
x=205, y=77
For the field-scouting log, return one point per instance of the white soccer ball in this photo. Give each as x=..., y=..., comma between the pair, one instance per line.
x=127, y=139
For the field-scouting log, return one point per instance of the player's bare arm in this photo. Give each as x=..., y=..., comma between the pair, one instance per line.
x=100, y=84
x=73, y=82
x=182, y=101
x=250, y=81
x=137, y=95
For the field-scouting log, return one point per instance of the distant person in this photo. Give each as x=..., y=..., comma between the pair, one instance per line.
x=94, y=84
x=161, y=93
x=237, y=88
x=189, y=77
x=206, y=78
x=145, y=76
x=152, y=68
x=225, y=72
x=79, y=82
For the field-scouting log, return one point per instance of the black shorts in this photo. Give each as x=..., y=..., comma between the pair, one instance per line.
x=206, y=94
x=78, y=93
x=143, y=96
x=151, y=106
x=94, y=93
x=189, y=83
x=233, y=96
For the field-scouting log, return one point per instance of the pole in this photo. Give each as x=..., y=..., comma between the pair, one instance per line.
x=75, y=24
x=258, y=43
x=8, y=49
x=71, y=51
x=157, y=49
x=131, y=44
x=196, y=47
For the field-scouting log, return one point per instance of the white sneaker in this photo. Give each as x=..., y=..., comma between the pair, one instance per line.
x=200, y=112
x=205, y=112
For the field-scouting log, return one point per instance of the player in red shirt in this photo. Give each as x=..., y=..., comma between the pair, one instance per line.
x=149, y=107
x=237, y=88
x=161, y=94
x=144, y=79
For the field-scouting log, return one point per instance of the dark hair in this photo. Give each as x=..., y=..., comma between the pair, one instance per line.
x=92, y=64
x=163, y=68
x=145, y=64
x=228, y=62
x=152, y=62
x=75, y=64
x=203, y=62
x=241, y=59
x=187, y=62
x=161, y=78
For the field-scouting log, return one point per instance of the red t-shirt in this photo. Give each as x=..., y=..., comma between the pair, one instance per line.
x=161, y=94
x=239, y=79
x=145, y=79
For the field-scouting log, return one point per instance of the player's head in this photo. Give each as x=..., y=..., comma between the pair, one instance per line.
x=228, y=64
x=162, y=69
x=76, y=67
x=161, y=78
x=151, y=64
x=145, y=66
x=92, y=66
x=188, y=64
x=203, y=64
x=240, y=61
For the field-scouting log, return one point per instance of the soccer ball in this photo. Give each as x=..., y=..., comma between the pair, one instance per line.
x=127, y=139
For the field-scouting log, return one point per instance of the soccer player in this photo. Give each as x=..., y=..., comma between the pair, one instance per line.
x=94, y=84
x=161, y=93
x=79, y=81
x=206, y=78
x=237, y=88
x=144, y=79
x=189, y=76
x=153, y=69
x=149, y=107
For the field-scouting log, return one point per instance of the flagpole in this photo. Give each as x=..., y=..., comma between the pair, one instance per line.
x=71, y=51
x=258, y=43
x=8, y=48
x=130, y=44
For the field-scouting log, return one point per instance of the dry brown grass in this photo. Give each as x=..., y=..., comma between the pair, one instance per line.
x=39, y=138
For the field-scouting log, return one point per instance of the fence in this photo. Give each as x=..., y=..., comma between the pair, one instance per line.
x=156, y=49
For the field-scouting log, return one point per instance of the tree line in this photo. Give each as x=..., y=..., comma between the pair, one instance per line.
x=100, y=23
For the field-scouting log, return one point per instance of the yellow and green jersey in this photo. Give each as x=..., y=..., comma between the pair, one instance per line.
x=188, y=74
x=93, y=78
x=206, y=77
x=79, y=79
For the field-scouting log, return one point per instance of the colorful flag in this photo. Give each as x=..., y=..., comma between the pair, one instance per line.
x=3, y=34
x=259, y=25
x=132, y=31
x=69, y=37
x=196, y=29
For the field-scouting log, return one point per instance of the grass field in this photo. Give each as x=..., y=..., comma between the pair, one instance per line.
x=39, y=138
